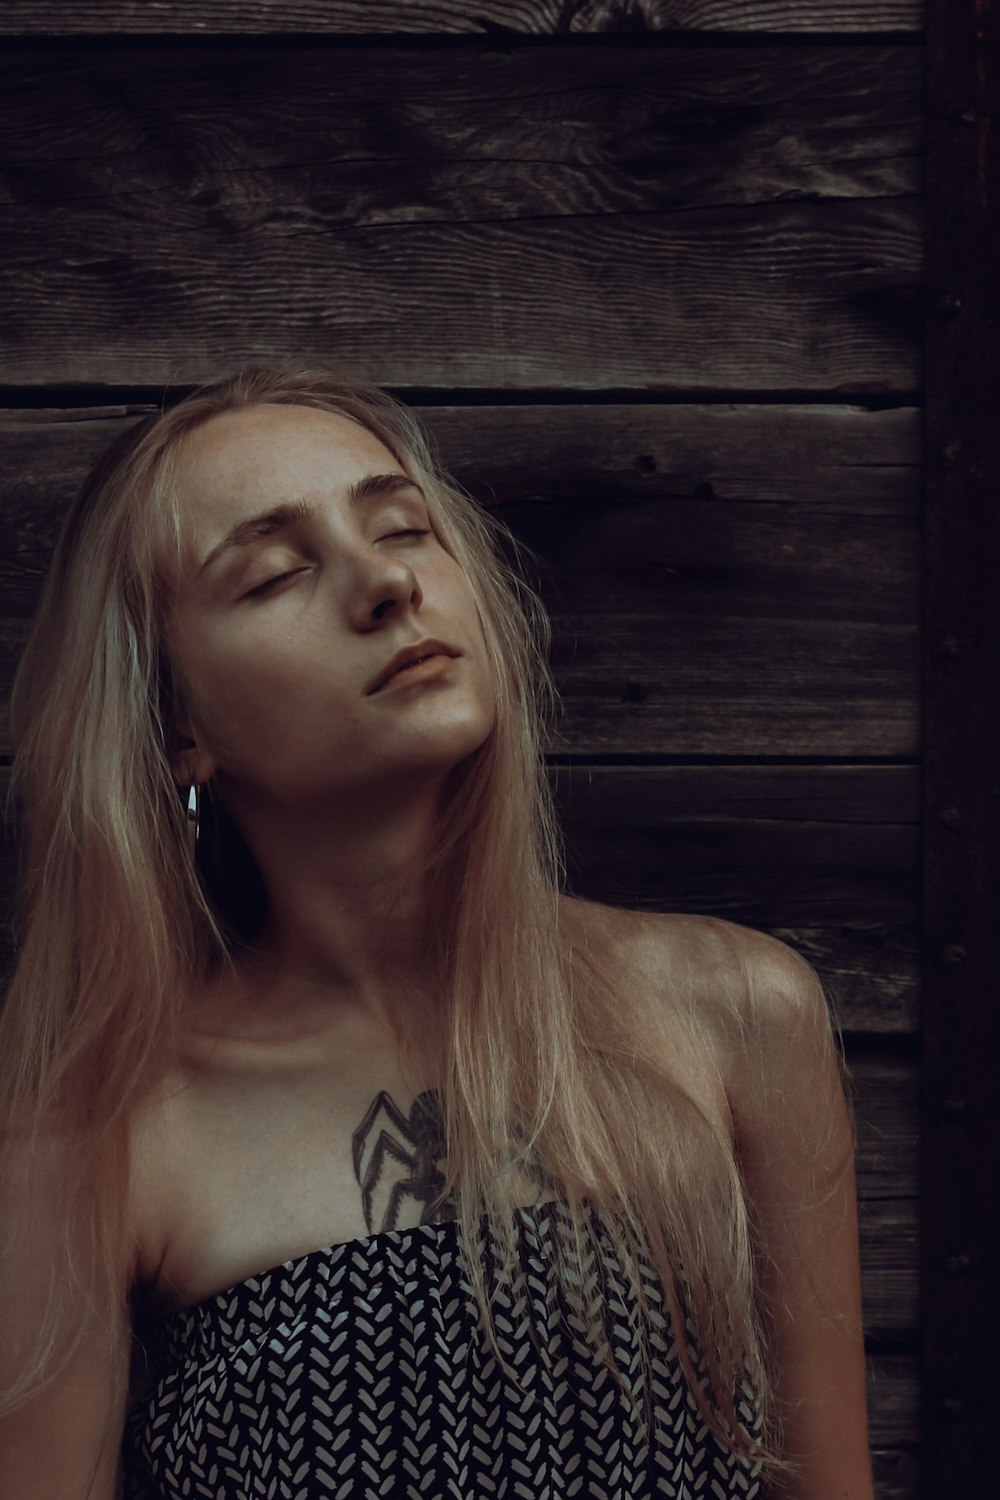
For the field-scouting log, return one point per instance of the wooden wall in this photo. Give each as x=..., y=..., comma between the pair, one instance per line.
x=651, y=273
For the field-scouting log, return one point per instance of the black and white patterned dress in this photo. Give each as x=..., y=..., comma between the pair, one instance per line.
x=361, y=1370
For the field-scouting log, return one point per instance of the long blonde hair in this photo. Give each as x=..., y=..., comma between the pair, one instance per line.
x=547, y=1064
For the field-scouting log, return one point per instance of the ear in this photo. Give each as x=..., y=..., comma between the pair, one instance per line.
x=191, y=763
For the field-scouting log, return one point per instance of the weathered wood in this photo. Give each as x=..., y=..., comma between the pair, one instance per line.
x=890, y=1264
x=766, y=845
x=753, y=571
x=767, y=687
x=894, y=1399
x=897, y=1470
x=623, y=557
x=961, y=1018
x=829, y=458
x=615, y=220
x=489, y=18
x=397, y=137
x=893, y=1387
x=870, y=971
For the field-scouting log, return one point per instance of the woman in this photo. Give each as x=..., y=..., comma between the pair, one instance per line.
x=344, y=1152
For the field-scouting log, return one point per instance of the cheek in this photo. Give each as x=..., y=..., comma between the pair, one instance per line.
x=464, y=598
x=245, y=687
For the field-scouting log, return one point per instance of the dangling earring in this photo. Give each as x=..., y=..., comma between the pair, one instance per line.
x=193, y=816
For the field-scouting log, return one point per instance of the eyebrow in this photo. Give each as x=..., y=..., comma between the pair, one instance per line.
x=281, y=516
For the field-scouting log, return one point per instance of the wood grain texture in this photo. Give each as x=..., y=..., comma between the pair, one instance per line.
x=886, y=1104
x=490, y=18
x=769, y=845
x=828, y=457
x=870, y=970
x=832, y=457
x=894, y=1402
x=890, y=1262
x=727, y=581
x=684, y=220
x=897, y=1470
x=894, y=1396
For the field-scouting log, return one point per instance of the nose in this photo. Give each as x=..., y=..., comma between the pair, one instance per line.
x=382, y=584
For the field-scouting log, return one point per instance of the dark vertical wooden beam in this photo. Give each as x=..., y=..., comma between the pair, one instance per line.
x=961, y=1021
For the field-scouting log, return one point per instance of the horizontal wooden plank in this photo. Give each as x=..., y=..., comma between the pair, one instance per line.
x=870, y=970
x=571, y=219
x=752, y=685
x=489, y=18
x=896, y=1470
x=755, y=569
x=624, y=557
x=461, y=136
x=889, y=1232
x=886, y=1103
x=774, y=845
x=836, y=457
x=817, y=457
x=726, y=581
x=893, y=1401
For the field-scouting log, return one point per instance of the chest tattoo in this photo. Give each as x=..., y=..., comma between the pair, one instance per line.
x=400, y=1163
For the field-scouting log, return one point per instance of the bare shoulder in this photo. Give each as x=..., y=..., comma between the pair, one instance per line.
x=677, y=972
x=739, y=974
x=658, y=946
x=744, y=990
x=710, y=957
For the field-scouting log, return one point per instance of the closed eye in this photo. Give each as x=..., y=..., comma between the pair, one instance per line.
x=262, y=588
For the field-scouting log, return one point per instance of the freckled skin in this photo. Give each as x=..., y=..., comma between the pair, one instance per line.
x=335, y=790
x=280, y=678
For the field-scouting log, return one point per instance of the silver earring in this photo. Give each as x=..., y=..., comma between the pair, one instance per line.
x=193, y=816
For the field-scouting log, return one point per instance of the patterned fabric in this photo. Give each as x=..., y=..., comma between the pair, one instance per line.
x=361, y=1370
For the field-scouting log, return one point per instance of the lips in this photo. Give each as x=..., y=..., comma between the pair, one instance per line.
x=410, y=664
x=408, y=657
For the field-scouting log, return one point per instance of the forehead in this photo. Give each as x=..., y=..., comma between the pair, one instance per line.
x=267, y=454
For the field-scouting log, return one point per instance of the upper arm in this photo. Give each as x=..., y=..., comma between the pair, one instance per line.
x=794, y=1138
x=63, y=1443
